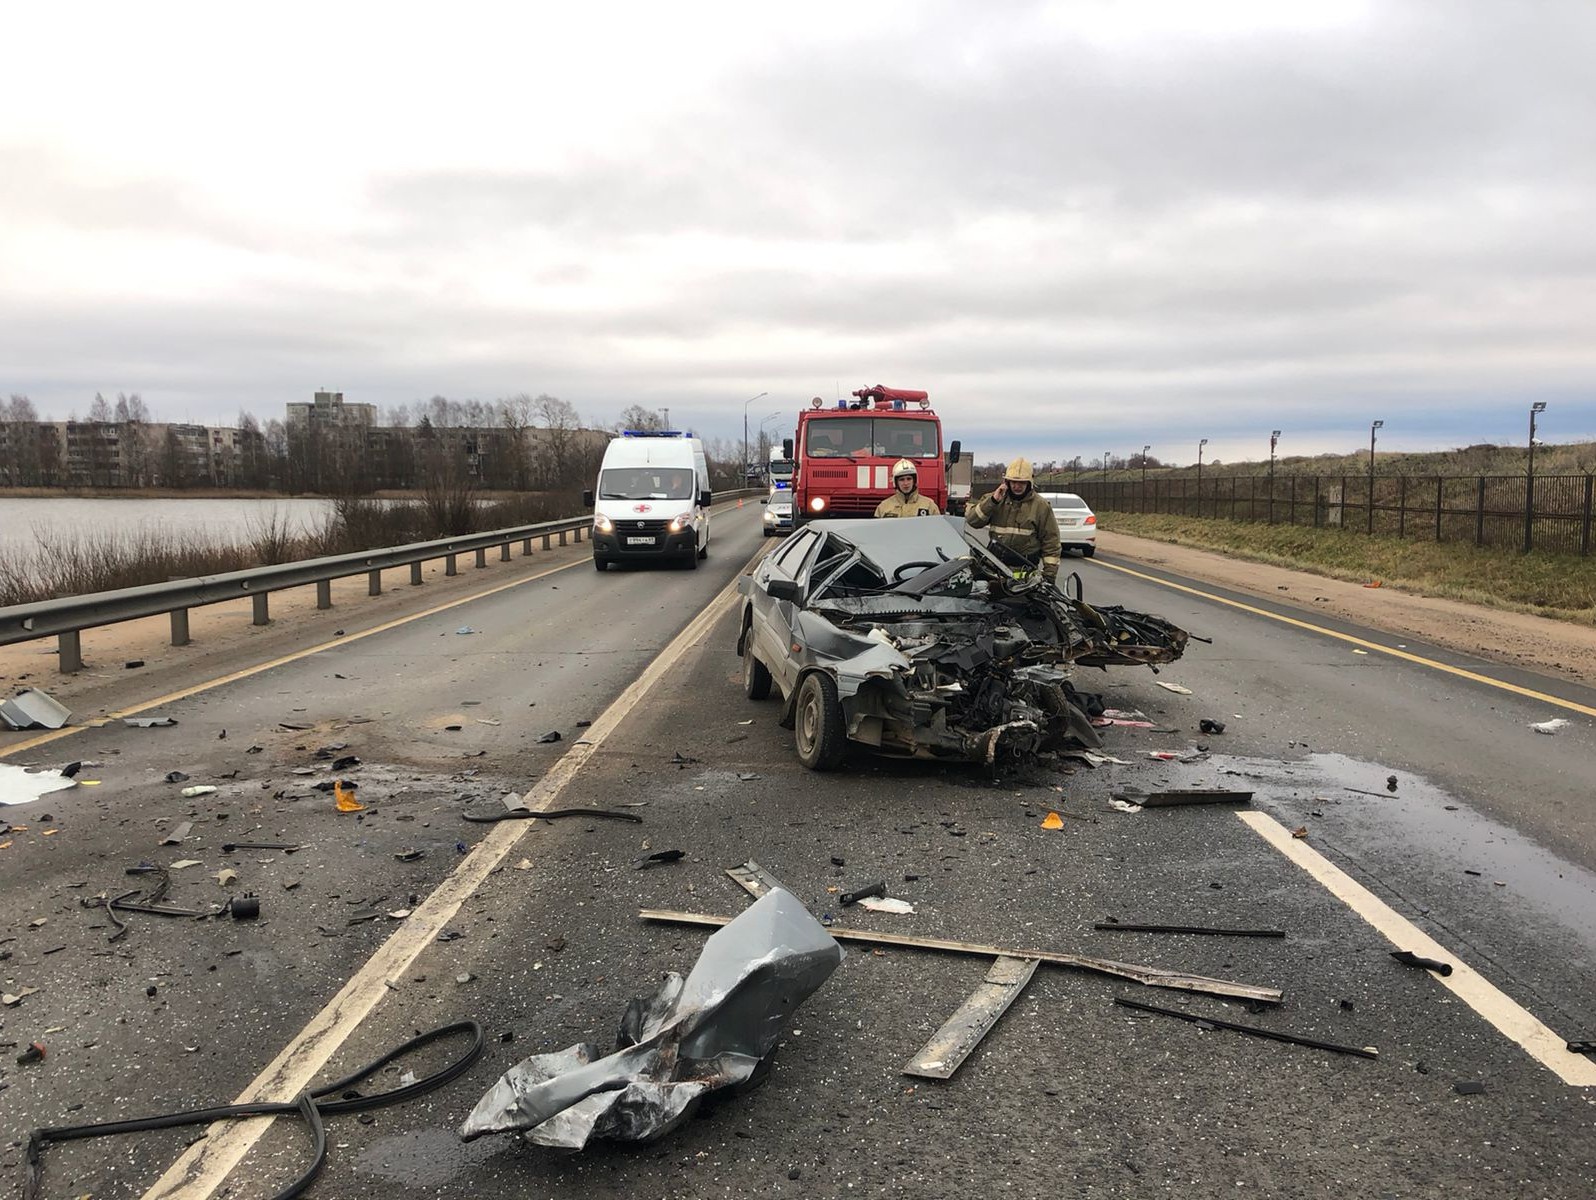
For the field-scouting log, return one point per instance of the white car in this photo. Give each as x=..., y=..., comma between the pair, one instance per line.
x=778, y=513
x=1077, y=523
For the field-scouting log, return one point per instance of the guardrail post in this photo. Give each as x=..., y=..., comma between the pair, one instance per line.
x=526, y=547
x=504, y=552
x=374, y=583
x=548, y=541
x=562, y=538
x=449, y=567
x=482, y=557
x=415, y=574
x=323, y=593
x=262, y=609
x=70, y=649
x=179, y=626
x=578, y=532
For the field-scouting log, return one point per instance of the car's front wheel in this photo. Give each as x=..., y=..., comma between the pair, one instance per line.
x=1089, y=551
x=821, y=737
x=600, y=563
x=756, y=676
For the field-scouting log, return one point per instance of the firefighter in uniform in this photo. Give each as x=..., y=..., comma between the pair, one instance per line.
x=1019, y=519
x=906, y=500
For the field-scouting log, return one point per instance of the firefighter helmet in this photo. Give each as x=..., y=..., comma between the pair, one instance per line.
x=1019, y=471
x=905, y=466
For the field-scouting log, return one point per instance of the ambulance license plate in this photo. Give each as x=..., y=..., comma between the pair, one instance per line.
x=648, y=541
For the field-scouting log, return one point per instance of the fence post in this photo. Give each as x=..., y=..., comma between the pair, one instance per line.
x=180, y=624
x=1439, y=484
x=1402, y=506
x=1293, y=509
x=1584, y=533
x=1479, y=514
x=1317, y=518
x=69, y=647
x=1529, y=511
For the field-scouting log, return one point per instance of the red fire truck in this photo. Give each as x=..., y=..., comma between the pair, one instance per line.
x=845, y=453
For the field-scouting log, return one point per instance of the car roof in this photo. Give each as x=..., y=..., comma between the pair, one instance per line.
x=888, y=543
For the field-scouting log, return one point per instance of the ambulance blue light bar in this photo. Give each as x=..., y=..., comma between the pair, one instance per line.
x=655, y=433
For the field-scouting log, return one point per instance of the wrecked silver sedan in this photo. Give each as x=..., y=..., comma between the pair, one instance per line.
x=910, y=637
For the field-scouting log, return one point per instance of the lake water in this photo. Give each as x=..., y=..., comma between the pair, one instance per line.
x=197, y=520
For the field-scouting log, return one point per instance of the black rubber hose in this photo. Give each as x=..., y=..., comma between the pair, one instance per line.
x=311, y=1106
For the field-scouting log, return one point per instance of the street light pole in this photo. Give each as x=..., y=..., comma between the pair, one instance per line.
x=1200, y=446
x=1145, y=450
x=1529, y=480
x=1274, y=440
x=1375, y=425
x=746, y=403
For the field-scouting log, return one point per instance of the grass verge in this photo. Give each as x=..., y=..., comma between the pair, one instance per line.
x=1548, y=585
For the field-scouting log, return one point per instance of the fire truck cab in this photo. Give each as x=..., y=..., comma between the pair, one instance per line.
x=845, y=453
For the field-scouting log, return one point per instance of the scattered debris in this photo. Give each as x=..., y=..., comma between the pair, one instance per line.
x=1052, y=821
x=198, y=789
x=33, y=709
x=411, y=855
x=748, y=776
x=527, y=814
x=464, y=631
x=1151, y=976
x=730, y=1011
x=1113, y=926
x=1252, y=1030
x=552, y=735
x=1210, y=726
x=184, y=864
x=1390, y=783
x=659, y=858
x=294, y=726
x=1549, y=727
x=21, y=786
x=245, y=907
x=150, y=722
x=1373, y=583
x=1124, y=806
x=176, y=777
x=1469, y=1087
x=285, y=847
x=1409, y=959
x=347, y=763
x=681, y=760
x=1185, y=797
x=877, y=889
x=227, y=877
x=35, y=1053
x=1173, y=687
x=962, y=1032
x=179, y=832
x=133, y=664
x=344, y=797
x=1301, y=831
x=887, y=904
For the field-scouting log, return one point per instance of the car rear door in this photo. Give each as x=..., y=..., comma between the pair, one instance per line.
x=773, y=619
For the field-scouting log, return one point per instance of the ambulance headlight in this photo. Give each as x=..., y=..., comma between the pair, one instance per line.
x=681, y=522
x=603, y=524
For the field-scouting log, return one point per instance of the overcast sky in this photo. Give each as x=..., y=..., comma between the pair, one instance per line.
x=1082, y=227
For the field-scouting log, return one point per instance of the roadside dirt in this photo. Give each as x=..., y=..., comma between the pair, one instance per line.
x=1517, y=639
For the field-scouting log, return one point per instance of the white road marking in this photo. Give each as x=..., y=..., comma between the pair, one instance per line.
x=204, y=1167
x=1484, y=997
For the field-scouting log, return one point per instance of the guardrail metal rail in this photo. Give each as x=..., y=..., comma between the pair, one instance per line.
x=66, y=618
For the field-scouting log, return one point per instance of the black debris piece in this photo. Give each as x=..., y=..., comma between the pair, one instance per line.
x=133, y=664
x=1469, y=1087
x=1252, y=1030
x=1409, y=959
x=149, y=722
x=552, y=735
x=1190, y=796
x=1123, y=927
x=411, y=855
x=681, y=760
x=294, y=726
x=285, y=847
x=346, y=763
x=878, y=888
x=583, y=724
x=72, y=768
x=838, y=861
x=245, y=907
x=174, y=777
x=1390, y=783
x=1582, y=1047
x=659, y=858
x=1207, y=725
x=717, y=1029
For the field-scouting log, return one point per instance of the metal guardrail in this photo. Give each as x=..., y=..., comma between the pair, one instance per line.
x=67, y=617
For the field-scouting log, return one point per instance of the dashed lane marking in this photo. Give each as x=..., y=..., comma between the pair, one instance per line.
x=205, y=1166
x=1501, y=1010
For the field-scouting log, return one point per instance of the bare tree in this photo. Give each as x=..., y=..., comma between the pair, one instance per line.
x=559, y=425
x=635, y=416
x=515, y=415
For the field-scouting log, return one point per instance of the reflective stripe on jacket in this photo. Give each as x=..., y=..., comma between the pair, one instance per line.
x=912, y=505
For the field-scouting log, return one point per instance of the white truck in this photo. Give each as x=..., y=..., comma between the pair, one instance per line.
x=651, y=503
x=961, y=475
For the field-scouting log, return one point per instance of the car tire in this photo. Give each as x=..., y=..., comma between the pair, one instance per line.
x=704, y=553
x=1088, y=551
x=600, y=563
x=756, y=676
x=692, y=560
x=818, y=729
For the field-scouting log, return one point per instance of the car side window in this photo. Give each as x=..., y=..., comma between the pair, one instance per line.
x=792, y=556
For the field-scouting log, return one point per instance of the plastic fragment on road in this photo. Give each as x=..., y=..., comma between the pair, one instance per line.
x=659, y=858
x=1210, y=726
x=1549, y=727
x=887, y=904
x=183, y=864
x=1409, y=959
x=179, y=832
x=1124, y=806
x=226, y=877
x=1301, y=831
x=33, y=709
x=198, y=789
x=1174, y=687
x=20, y=786
x=149, y=722
x=717, y=1029
x=1356, y=651
x=1052, y=821
x=550, y=737
x=464, y=631
x=344, y=798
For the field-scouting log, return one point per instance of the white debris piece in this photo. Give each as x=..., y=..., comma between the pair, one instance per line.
x=1549, y=727
x=1126, y=806
x=886, y=904
x=1174, y=687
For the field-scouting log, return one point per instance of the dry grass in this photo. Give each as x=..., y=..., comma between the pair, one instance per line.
x=1549, y=585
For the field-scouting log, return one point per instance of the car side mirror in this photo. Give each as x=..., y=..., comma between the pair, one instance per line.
x=953, y=452
x=786, y=448
x=784, y=589
x=766, y=500
x=705, y=499
x=587, y=499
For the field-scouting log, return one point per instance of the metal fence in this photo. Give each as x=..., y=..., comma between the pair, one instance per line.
x=1485, y=510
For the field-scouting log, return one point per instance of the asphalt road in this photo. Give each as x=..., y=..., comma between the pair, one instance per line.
x=1068, y=1095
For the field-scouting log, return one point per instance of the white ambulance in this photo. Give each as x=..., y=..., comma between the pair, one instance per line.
x=652, y=500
